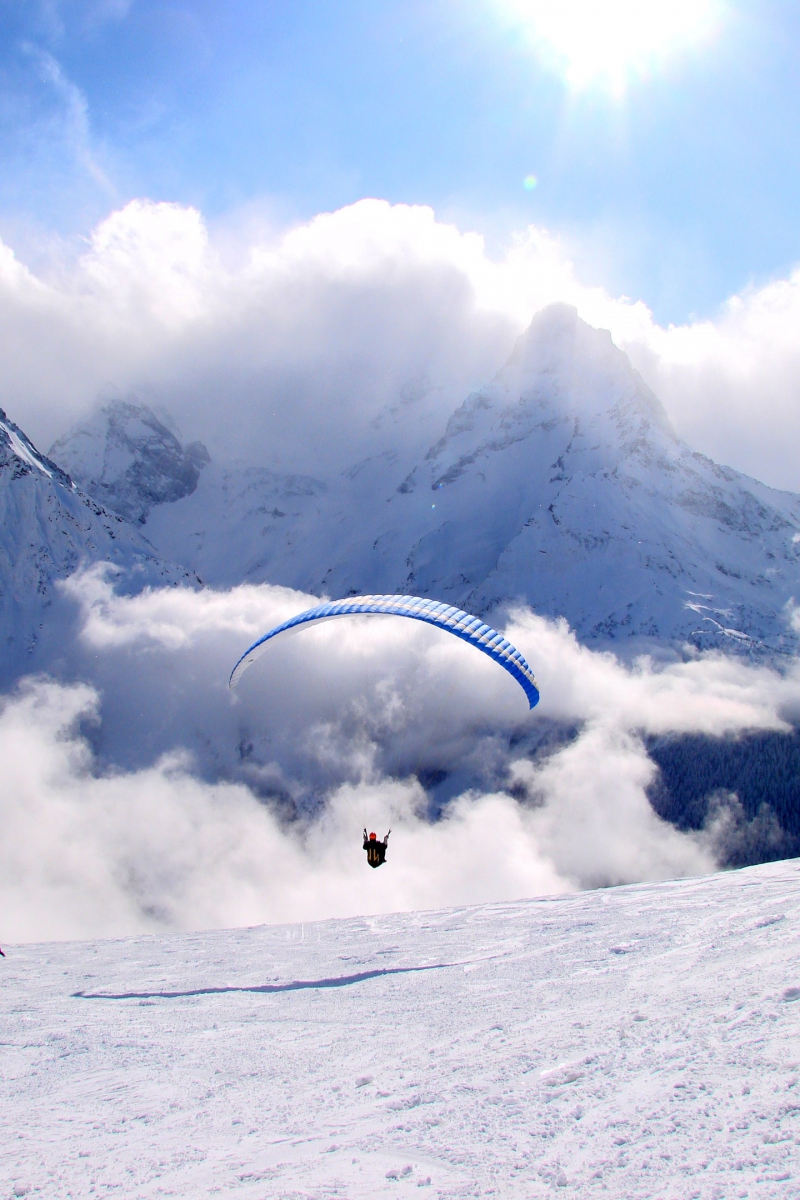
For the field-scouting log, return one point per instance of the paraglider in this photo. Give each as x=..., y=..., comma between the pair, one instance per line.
x=376, y=851
x=444, y=616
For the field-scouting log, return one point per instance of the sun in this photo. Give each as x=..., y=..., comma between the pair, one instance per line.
x=607, y=43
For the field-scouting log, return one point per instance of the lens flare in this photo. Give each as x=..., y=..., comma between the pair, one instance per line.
x=530, y=182
x=608, y=42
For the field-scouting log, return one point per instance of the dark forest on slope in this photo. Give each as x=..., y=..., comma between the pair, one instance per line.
x=749, y=785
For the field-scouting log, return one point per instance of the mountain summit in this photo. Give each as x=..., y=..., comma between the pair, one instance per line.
x=560, y=484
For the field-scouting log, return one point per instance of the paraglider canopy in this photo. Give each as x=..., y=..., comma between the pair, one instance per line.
x=444, y=616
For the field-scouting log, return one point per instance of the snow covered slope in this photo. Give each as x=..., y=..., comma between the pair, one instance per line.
x=635, y=1042
x=49, y=527
x=243, y=524
x=560, y=483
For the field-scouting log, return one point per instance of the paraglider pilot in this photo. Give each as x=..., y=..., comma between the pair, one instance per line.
x=376, y=851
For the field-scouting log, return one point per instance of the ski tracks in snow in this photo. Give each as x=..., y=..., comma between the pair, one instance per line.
x=637, y=1042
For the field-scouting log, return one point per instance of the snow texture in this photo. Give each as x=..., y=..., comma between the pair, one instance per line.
x=560, y=484
x=638, y=1041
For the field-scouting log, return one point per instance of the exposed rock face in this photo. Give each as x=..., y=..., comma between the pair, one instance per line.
x=128, y=460
x=48, y=528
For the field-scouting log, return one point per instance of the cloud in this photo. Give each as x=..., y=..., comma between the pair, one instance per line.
x=87, y=856
x=289, y=358
x=75, y=116
x=386, y=691
x=152, y=797
x=714, y=694
x=593, y=822
x=731, y=384
x=359, y=328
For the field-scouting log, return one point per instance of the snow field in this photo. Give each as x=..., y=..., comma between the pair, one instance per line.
x=636, y=1042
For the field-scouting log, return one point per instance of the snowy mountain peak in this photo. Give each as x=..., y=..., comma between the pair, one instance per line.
x=562, y=484
x=129, y=461
x=48, y=529
x=562, y=372
x=587, y=374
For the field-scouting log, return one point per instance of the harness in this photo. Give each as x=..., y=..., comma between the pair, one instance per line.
x=376, y=851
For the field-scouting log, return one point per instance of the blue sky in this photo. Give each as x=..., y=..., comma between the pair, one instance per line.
x=678, y=191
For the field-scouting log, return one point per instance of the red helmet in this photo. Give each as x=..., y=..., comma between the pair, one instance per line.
x=372, y=836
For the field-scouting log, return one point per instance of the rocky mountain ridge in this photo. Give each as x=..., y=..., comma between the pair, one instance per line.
x=129, y=461
x=49, y=528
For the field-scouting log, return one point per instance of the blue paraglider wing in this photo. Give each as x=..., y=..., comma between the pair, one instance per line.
x=444, y=616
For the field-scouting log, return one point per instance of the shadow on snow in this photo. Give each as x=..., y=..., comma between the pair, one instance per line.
x=297, y=985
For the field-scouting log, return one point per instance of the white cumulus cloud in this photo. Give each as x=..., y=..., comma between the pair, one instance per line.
x=151, y=796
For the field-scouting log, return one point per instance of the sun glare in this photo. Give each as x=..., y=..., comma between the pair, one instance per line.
x=608, y=42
